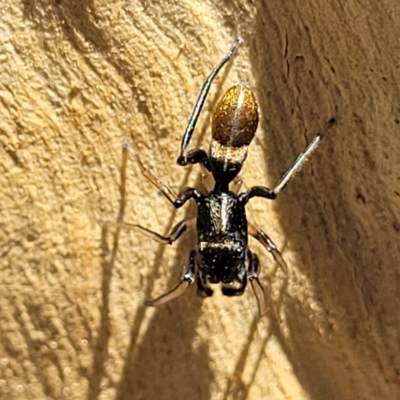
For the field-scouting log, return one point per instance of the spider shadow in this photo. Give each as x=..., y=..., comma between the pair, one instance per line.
x=162, y=361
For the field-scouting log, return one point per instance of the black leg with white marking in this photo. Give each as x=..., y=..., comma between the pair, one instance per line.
x=252, y=274
x=270, y=246
x=187, y=279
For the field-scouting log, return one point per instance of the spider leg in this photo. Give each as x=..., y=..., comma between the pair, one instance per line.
x=187, y=279
x=177, y=201
x=228, y=290
x=252, y=274
x=195, y=156
x=302, y=158
x=177, y=231
x=203, y=290
x=269, y=245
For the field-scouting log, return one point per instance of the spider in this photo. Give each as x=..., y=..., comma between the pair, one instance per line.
x=221, y=254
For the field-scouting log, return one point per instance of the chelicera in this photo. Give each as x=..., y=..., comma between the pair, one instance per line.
x=221, y=254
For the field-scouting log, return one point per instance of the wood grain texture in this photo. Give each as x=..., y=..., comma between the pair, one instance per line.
x=77, y=79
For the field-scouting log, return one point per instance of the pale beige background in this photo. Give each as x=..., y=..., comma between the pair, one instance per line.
x=77, y=78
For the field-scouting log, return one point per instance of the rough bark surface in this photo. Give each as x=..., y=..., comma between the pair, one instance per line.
x=77, y=79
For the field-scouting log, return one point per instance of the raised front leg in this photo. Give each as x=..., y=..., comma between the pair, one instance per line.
x=262, y=191
x=196, y=156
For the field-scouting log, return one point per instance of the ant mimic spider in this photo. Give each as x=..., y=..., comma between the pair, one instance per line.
x=221, y=254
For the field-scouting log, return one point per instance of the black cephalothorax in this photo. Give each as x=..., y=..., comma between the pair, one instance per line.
x=221, y=254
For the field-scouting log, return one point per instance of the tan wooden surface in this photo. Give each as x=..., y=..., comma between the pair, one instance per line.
x=77, y=78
